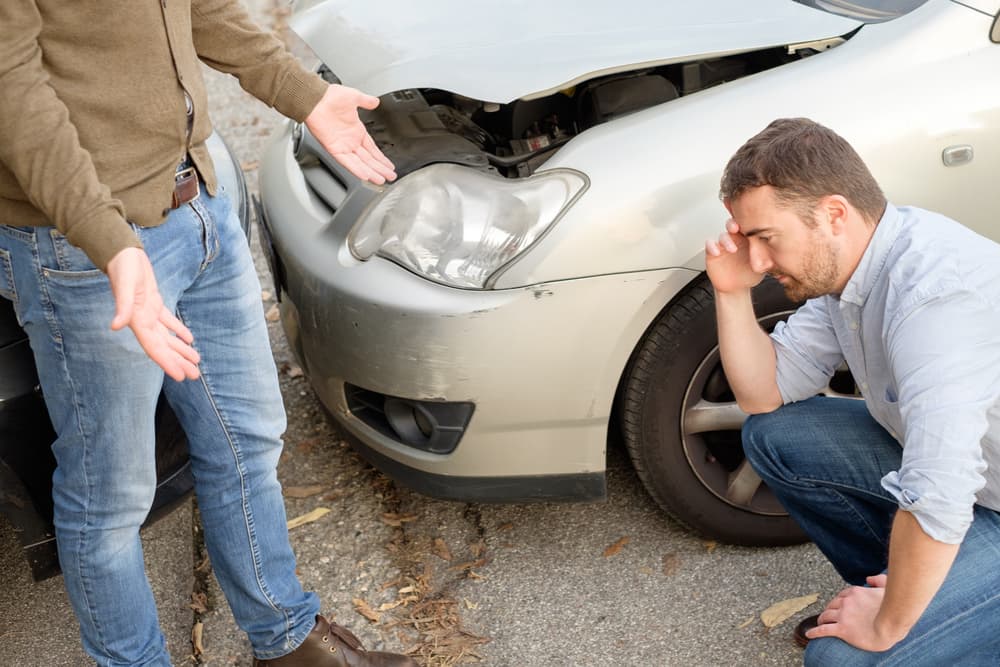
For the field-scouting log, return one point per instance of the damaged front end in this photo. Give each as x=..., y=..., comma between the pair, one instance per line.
x=474, y=192
x=417, y=127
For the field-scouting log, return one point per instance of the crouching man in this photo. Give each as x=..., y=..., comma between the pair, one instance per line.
x=901, y=492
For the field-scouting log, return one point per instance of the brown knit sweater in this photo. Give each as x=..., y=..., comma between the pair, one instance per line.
x=92, y=110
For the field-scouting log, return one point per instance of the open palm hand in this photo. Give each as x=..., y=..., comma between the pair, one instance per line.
x=338, y=128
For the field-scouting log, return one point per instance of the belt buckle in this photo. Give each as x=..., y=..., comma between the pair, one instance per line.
x=181, y=179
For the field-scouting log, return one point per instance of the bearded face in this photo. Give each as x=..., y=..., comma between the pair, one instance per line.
x=816, y=274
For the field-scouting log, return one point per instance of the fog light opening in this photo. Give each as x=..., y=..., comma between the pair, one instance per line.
x=432, y=426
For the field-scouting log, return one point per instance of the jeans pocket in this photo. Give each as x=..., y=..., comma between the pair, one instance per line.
x=7, y=290
x=70, y=263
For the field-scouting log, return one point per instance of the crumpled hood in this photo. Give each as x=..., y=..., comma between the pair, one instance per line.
x=498, y=52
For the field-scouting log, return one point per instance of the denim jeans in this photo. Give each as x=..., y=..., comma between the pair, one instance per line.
x=101, y=391
x=824, y=458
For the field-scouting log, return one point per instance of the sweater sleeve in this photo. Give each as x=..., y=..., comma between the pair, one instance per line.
x=40, y=145
x=227, y=40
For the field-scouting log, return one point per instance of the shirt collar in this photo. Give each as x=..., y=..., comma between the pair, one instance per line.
x=874, y=259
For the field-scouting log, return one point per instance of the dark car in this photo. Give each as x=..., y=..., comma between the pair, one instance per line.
x=26, y=460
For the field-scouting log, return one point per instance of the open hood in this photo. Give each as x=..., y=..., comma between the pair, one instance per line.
x=499, y=52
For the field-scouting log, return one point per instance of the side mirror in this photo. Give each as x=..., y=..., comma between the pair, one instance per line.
x=995, y=30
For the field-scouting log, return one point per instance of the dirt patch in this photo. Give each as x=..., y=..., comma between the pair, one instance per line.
x=425, y=617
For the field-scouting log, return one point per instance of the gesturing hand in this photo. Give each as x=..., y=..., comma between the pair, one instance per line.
x=851, y=617
x=138, y=305
x=336, y=125
x=728, y=261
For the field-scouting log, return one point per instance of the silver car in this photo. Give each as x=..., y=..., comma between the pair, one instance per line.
x=534, y=280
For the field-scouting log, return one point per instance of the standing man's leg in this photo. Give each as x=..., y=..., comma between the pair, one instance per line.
x=234, y=418
x=101, y=391
x=824, y=458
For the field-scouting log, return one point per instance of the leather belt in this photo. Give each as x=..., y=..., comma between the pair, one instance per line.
x=186, y=187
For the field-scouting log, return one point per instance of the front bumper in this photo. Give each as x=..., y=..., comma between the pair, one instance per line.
x=540, y=364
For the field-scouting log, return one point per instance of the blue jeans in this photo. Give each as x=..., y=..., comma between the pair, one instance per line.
x=101, y=391
x=824, y=458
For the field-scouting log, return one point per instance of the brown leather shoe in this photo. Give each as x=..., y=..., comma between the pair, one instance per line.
x=804, y=626
x=330, y=645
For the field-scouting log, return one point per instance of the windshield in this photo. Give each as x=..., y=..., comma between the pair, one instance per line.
x=869, y=11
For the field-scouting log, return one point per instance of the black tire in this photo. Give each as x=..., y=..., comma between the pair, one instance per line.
x=171, y=443
x=681, y=425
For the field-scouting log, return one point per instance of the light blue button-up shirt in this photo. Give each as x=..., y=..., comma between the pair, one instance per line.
x=919, y=326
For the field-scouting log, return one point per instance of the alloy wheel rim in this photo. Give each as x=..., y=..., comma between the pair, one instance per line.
x=710, y=435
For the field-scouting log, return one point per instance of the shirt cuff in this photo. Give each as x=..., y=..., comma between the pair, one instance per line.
x=300, y=93
x=942, y=521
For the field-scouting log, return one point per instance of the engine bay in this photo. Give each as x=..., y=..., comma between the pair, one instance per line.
x=417, y=127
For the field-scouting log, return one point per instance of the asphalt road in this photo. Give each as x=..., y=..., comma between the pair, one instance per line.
x=613, y=583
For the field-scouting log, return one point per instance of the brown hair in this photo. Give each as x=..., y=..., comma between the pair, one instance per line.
x=803, y=161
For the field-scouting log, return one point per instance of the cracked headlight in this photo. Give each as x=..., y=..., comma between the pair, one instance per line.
x=458, y=226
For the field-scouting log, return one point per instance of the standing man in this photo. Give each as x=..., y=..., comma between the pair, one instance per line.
x=901, y=491
x=125, y=263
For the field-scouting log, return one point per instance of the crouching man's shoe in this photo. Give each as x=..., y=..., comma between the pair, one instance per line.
x=330, y=645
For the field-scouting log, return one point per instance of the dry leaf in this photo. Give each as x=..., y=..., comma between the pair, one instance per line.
x=265, y=295
x=780, y=612
x=196, y=644
x=479, y=562
x=477, y=549
x=386, y=606
x=294, y=371
x=506, y=526
x=397, y=520
x=710, y=545
x=390, y=584
x=199, y=603
x=671, y=563
x=472, y=575
x=616, y=547
x=273, y=314
x=441, y=549
x=469, y=604
x=303, y=491
x=317, y=513
x=365, y=610
x=745, y=623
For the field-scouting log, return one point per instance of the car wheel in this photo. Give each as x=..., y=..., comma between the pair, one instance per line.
x=682, y=426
